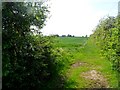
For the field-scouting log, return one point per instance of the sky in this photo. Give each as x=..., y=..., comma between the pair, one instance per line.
x=77, y=17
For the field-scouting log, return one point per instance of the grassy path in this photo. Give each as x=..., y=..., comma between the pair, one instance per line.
x=87, y=68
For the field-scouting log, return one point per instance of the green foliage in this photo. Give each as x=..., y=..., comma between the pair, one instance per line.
x=28, y=60
x=107, y=35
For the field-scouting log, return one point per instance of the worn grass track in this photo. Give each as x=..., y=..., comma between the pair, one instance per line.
x=87, y=68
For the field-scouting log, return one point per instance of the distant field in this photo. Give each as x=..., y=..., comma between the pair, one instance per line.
x=82, y=57
x=70, y=41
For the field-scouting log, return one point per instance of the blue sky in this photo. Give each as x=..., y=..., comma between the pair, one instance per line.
x=77, y=17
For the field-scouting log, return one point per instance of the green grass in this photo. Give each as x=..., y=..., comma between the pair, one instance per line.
x=84, y=50
x=70, y=42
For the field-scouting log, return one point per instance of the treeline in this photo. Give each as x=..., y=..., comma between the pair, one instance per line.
x=29, y=61
x=56, y=35
x=107, y=37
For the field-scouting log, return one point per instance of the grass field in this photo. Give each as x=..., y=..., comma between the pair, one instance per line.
x=86, y=68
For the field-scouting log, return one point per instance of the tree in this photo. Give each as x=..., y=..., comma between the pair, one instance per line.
x=63, y=35
x=28, y=60
x=69, y=35
x=86, y=36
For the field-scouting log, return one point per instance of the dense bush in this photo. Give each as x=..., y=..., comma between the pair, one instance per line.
x=29, y=61
x=107, y=36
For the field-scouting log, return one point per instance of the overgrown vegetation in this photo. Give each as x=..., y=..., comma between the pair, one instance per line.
x=29, y=59
x=33, y=61
x=107, y=37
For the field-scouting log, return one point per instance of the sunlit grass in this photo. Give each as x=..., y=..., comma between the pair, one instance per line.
x=84, y=50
